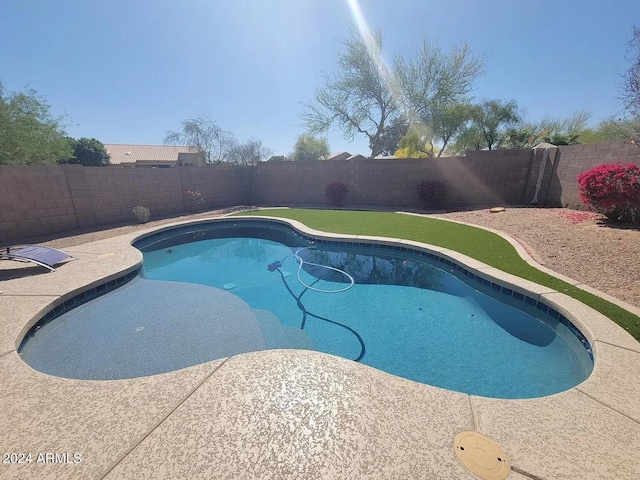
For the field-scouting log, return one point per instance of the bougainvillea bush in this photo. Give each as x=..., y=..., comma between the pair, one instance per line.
x=336, y=193
x=432, y=193
x=195, y=200
x=613, y=190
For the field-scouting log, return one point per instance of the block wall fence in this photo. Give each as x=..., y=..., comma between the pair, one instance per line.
x=43, y=201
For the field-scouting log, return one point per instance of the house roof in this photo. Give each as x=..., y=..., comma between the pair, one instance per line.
x=123, y=154
x=544, y=145
x=339, y=156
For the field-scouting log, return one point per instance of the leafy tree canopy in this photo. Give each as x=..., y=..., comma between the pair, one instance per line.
x=434, y=88
x=417, y=143
x=366, y=97
x=390, y=138
x=277, y=158
x=448, y=122
x=355, y=97
x=308, y=147
x=558, y=131
x=29, y=134
x=612, y=129
x=490, y=121
x=88, y=152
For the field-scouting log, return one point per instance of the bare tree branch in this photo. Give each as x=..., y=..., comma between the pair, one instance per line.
x=204, y=136
x=630, y=87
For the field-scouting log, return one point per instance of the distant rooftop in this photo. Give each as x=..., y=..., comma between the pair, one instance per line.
x=339, y=156
x=151, y=155
x=346, y=156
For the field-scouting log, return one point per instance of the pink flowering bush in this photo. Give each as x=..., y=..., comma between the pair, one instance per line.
x=195, y=200
x=613, y=190
x=432, y=193
x=336, y=193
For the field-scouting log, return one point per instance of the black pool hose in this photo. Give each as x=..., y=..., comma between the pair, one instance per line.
x=305, y=312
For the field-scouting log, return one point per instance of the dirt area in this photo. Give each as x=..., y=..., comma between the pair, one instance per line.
x=577, y=244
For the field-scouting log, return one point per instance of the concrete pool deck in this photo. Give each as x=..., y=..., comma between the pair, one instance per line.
x=296, y=413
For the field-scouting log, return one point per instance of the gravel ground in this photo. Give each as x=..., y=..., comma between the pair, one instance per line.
x=577, y=244
x=79, y=237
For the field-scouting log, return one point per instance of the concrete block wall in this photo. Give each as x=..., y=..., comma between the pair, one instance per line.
x=492, y=177
x=34, y=201
x=479, y=178
x=38, y=200
x=300, y=183
x=104, y=196
x=576, y=159
x=219, y=186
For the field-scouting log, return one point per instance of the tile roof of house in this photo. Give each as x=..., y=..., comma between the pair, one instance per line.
x=120, y=154
x=339, y=156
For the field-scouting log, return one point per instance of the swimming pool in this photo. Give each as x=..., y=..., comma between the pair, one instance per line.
x=408, y=312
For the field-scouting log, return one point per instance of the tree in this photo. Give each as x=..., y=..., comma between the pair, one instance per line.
x=524, y=135
x=246, y=158
x=470, y=138
x=29, y=134
x=612, y=129
x=277, y=158
x=249, y=153
x=356, y=97
x=204, y=136
x=489, y=123
x=558, y=131
x=88, y=152
x=390, y=138
x=566, y=131
x=308, y=147
x=630, y=88
x=448, y=122
x=417, y=143
x=434, y=86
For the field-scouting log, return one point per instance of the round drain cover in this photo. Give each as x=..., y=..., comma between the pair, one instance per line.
x=228, y=286
x=481, y=455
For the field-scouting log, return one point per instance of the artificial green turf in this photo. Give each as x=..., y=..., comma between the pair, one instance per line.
x=474, y=242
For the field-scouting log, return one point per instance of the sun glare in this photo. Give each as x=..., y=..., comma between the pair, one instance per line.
x=375, y=51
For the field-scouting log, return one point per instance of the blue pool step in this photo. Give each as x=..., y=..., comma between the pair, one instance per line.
x=277, y=335
x=154, y=326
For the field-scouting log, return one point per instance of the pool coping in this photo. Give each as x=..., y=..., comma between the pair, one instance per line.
x=521, y=427
x=532, y=258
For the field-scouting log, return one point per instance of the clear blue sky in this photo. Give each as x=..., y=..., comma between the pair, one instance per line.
x=127, y=71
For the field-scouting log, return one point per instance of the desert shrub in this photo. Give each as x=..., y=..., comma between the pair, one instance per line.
x=142, y=214
x=336, y=193
x=613, y=190
x=195, y=200
x=432, y=193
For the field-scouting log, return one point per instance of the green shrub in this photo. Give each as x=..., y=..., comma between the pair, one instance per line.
x=142, y=214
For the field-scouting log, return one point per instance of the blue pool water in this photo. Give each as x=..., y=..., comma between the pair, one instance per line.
x=404, y=314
